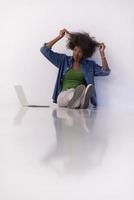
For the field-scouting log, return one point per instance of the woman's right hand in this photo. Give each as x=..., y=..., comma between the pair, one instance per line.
x=62, y=32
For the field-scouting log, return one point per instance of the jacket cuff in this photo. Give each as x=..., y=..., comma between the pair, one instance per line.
x=45, y=45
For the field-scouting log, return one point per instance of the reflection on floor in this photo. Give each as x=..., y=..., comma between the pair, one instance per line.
x=59, y=153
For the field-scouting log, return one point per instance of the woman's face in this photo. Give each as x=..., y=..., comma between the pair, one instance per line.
x=77, y=53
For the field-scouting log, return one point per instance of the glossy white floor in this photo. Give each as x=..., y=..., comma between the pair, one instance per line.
x=63, y=154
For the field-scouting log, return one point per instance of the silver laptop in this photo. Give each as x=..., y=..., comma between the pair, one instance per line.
x=22, y=97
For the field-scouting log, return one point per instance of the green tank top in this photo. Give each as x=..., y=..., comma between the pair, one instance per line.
x=72, y=78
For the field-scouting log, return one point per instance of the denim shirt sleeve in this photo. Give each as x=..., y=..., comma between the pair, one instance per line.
x=99, y=71
x=54, y=57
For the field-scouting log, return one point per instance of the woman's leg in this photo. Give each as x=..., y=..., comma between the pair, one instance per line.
x=72, y=97
x=64, y=97
x=86, y=99
x=78, y=95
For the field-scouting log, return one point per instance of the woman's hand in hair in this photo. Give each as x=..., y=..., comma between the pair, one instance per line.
x=101, y=47
x=62, y=33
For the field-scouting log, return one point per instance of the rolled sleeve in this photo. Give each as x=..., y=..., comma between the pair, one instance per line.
x=99, y=71
x=54, y=57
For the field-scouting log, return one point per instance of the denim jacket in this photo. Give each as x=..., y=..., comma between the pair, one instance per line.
x=63, y=62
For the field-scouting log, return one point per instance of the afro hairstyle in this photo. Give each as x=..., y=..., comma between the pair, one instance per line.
x=84, y=41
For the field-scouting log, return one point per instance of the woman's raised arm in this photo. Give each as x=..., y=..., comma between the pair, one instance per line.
x=61, y=35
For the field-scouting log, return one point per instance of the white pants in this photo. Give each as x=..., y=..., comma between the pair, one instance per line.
x=64, y=97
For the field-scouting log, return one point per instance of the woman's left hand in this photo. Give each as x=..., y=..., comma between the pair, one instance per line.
x=101, y=47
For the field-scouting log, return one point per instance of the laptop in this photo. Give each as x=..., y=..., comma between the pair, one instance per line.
x=22, y=97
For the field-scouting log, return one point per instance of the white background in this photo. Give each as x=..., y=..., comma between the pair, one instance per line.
x=26, y=25
x=65, y=154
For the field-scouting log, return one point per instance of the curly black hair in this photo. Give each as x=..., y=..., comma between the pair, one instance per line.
x=84, y=41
